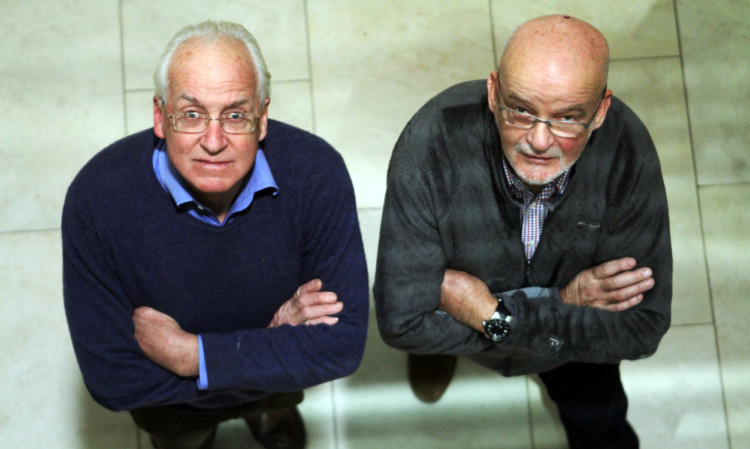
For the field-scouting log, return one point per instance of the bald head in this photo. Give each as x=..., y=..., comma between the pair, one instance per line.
x=557, y=45
x=553, y=68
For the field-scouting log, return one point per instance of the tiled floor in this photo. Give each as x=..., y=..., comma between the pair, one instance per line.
x=76, y=74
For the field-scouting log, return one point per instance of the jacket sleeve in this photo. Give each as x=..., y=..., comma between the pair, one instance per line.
x=411, y=259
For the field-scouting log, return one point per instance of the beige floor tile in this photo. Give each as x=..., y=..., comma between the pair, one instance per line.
x=716, y=59
x=548, y=432
x=675, y=396
x=634, y=29
x=139, y=110
x=653, y=89
x=278, y=26
x=318, y=412
x=291, y=102
x=375, y=63
x=725, y=219
x=376, y=408
x=369, y=225
x=61, y=93
x=45, y=403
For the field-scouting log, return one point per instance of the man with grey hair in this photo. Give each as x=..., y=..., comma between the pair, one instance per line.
x=213, y=265
x=537, y=176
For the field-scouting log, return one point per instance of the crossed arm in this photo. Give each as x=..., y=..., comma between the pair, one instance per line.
x=166, y=344
x=613, y=286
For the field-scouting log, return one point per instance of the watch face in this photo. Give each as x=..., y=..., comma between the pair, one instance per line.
x=497, y=330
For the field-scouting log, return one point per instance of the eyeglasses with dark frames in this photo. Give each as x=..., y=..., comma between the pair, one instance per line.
x=559, y=128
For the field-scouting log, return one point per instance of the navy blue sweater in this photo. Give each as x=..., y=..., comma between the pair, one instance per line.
x=126, y=245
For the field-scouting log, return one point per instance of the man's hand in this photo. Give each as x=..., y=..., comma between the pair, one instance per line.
x=165, y=343
x=308, y=306
x=612, y=286
x=466, y=298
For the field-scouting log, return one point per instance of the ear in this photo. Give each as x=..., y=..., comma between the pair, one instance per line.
x=492, y=87
x=601, y=114
x=263, y=122
x=158, y=118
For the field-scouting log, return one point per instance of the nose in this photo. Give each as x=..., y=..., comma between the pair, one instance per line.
x=539, y=136
x=214, y=139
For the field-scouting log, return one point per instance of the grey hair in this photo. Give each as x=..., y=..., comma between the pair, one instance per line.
x=210, y=31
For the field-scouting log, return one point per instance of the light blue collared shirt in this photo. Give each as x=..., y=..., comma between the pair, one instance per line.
x=260, y=179
x=170, y=179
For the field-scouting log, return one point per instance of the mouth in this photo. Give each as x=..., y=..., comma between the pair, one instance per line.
x=212, y=164
x=539, y=158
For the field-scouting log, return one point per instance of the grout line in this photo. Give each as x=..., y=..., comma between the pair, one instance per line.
x=700, y=222
x=723, y=184
x=309, y=69
x=529, y=411
x=139, y=90
x=688, y=325
x=334, y=410
x=26, y=231
x=122, y=68
x=646, y=58
x=294, y=80
x=276, y=83
x=492, y=37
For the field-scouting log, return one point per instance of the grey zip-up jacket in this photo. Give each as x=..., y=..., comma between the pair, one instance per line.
x=448, y=206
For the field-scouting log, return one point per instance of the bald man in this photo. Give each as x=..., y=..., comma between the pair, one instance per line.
x=525, y=227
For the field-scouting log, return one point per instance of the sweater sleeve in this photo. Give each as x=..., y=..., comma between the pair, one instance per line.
x=100, y=321
x=291, y=358
x=102, y=288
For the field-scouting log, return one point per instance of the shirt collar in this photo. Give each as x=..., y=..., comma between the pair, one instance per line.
x=170, y=179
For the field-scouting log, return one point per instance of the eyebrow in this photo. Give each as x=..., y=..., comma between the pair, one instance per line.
x=240, y=102
x=578, y=108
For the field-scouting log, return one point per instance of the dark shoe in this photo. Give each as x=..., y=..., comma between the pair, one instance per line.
x=430, y=375
x=278, y=429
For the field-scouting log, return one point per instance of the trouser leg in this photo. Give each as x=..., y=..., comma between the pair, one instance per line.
x=272, y=402
x=592, y=405
x=179, y=429
x=183, y=429
x=275, y=422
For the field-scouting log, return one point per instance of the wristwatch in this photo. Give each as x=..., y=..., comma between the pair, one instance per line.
x=497, y=327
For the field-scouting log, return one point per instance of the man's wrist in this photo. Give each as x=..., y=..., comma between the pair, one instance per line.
x=487, y=308
x=498, y=326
